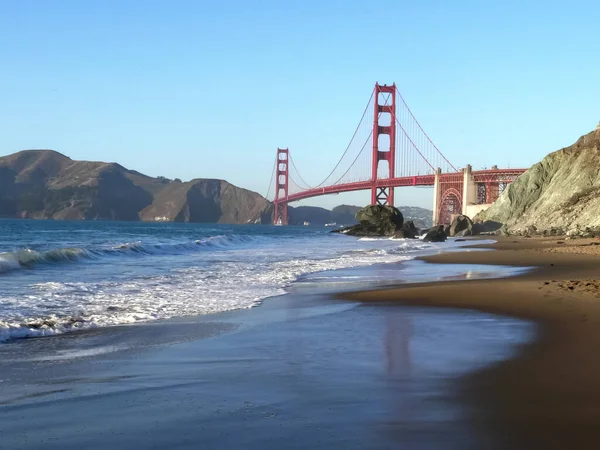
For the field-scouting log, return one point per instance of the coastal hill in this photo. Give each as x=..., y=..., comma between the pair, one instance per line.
x=44, y=184
x=562, y=191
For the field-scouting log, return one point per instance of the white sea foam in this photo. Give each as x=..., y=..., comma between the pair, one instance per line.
x=204, y=276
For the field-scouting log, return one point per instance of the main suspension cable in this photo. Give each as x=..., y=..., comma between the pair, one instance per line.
x=413, y=144
x=348, y=146
x=355, y=159
x=421, y=128
x=299, y=175
x=272, y=176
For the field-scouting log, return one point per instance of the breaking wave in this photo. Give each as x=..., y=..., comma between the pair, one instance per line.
x=140, y=273
x=29, y=258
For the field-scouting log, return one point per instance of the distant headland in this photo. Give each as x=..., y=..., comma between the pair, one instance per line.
x=45, y=184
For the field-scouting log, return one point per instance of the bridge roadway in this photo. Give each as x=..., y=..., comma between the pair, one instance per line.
x=478, y=176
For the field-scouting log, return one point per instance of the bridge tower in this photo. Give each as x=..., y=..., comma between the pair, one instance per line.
x=384, y=133
x=280, y=213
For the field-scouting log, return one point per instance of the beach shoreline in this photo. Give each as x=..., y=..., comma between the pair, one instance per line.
x=548, y=396
x=302, y=370
x=492, y=395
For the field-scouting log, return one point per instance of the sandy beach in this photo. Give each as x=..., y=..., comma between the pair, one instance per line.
x=549, y=395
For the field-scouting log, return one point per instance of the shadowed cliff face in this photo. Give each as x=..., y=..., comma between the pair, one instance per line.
x=117, y=197
x=202, y=203
x=45, y=184
x=207, y=201
x=562, y=191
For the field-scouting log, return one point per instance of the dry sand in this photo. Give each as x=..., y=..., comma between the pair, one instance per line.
x=549, y=395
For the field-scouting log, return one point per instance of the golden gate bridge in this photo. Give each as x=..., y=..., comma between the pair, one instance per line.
x=389, y=149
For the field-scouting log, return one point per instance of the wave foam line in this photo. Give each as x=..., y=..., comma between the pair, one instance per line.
x=29, y=258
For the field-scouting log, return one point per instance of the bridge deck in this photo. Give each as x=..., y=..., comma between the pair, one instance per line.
x=480, y=176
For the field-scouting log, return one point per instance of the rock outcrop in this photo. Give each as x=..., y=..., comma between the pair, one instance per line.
x=461, y=226
x=408, y=231
x=435, y=234
x=44, y=184
x=376, y=220
x=560, y=192
x=345, y=215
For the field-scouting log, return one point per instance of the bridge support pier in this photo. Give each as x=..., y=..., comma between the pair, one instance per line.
x=436, y=195
x=382, y=196
x=280, y=212
x=384, y=124
x=469, y=193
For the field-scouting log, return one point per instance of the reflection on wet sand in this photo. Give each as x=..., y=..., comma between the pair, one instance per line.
x=301, y=372
x=398, y=332
x=397, y=365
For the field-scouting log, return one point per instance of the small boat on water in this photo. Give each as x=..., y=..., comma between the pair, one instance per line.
x=332, y=224
x=278, y=223
x=306, y=223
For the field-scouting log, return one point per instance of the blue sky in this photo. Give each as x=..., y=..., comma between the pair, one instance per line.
x=193, y=89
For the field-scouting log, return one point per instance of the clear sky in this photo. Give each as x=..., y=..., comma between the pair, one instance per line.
x=210, y=89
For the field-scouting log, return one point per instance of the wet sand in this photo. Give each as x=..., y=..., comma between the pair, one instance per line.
x=549, y=395
x=301, y=371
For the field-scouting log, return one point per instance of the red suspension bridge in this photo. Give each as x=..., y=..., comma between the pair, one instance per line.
x=390, y=149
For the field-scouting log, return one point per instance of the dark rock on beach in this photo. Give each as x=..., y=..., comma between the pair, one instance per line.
x=346, y=215
x=435, y=234
x=387, y=219
x=461, y=226
x=376, y=220
x=488, y=227
x=409, y=231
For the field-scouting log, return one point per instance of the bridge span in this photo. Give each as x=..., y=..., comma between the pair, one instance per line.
x=390, y=149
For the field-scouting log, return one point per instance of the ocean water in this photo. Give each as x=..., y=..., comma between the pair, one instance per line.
x=57, y=277
x=304, y=370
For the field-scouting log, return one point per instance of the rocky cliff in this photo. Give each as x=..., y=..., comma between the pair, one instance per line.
x=562, y=191
x=45, y=184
